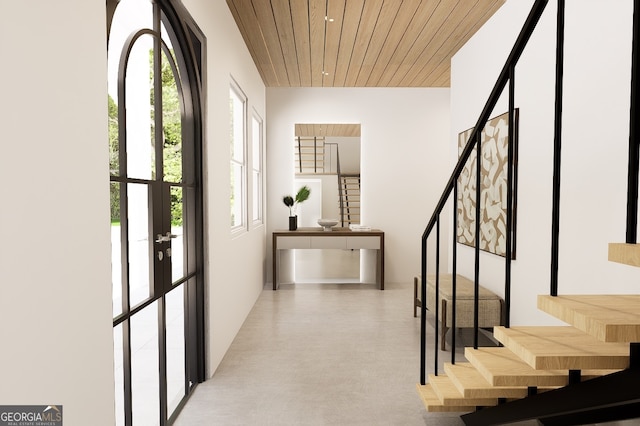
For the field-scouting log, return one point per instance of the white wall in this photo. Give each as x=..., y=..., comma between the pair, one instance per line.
x=349, y=152
x=235, y=263
x=55, y=274
x=404, y=154
x=594, y=150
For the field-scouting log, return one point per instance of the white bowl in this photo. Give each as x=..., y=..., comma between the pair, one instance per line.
x=327, y=224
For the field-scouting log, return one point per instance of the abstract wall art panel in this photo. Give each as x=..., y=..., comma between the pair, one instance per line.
x=493, y=189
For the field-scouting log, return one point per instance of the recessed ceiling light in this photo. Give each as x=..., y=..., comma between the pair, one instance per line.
x=326, y=18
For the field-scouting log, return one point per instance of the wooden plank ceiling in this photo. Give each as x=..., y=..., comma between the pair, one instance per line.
x=358, y=43
x=328, y=130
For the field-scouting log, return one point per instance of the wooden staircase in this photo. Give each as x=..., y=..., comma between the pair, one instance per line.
x=589, y=367
x=350, y=199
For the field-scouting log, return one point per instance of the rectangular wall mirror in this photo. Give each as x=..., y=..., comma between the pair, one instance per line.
x=327, y=160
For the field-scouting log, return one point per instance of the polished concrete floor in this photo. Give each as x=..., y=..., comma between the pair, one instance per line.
x=320, y=354
x=323, y=354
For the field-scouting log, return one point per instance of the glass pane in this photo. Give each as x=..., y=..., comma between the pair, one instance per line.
x=145, y=382
x=256, y=142
x=172, y=124
x=257, y=190
x=175, y=348
x=177, y=243
x=140, y=287
x=139, y=104
x=130, y=16
x=116, y=249
x=118, y=371
x=114, y=140
x=166, y=38
x=236, y=106
x=236, y=194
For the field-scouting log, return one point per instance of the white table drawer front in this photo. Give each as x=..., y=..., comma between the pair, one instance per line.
x=294, y=242
x=328, y=242
x=363, y=243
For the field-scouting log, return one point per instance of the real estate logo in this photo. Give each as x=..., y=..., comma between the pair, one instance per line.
x=30, y=415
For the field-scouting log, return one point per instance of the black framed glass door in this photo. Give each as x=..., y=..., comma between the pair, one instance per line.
x=156, y=209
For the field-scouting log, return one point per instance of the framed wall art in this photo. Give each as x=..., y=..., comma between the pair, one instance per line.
x=493, y=191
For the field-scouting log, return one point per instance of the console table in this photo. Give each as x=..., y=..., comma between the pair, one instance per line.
x=337, y=238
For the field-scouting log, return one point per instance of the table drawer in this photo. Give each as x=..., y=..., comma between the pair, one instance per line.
x=328, y=242
x=294, y=242
x=363, y=243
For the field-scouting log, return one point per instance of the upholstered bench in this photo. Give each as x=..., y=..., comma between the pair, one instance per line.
x=490, y=305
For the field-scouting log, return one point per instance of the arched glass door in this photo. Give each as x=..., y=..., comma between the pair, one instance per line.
x=156, y=209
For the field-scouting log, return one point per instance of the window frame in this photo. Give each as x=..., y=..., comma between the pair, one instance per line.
x=242, y=226
x=257, y=150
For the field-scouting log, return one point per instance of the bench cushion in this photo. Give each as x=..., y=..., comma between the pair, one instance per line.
x=489, y=304
x=464, y=288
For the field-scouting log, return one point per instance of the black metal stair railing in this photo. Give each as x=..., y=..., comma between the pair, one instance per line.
x=612, y=396
x=506, y=75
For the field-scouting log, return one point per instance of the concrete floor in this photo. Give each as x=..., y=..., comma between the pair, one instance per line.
x=325, y=354
x=320, y=354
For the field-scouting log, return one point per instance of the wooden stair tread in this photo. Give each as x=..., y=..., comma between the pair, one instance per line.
x=562, y=348
x=501, y=367
x=627, y=254
x=472, y=384
x=448, y=394
x=434, y=405
x=608, y=318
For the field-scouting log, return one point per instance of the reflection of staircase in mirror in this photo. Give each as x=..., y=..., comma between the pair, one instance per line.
x=349, y=199
x=310, y=155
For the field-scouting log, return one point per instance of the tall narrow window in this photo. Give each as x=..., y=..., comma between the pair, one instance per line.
x=257, y=161
x=237, y=110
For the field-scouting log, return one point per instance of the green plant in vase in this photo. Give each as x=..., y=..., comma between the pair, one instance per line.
x=291, y=202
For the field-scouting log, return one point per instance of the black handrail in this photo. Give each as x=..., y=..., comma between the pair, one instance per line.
x=504, y=76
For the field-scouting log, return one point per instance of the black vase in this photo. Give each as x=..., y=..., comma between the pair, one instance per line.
x=293, y=223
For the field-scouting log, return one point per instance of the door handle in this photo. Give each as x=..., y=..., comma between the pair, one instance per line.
x=164, y=238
